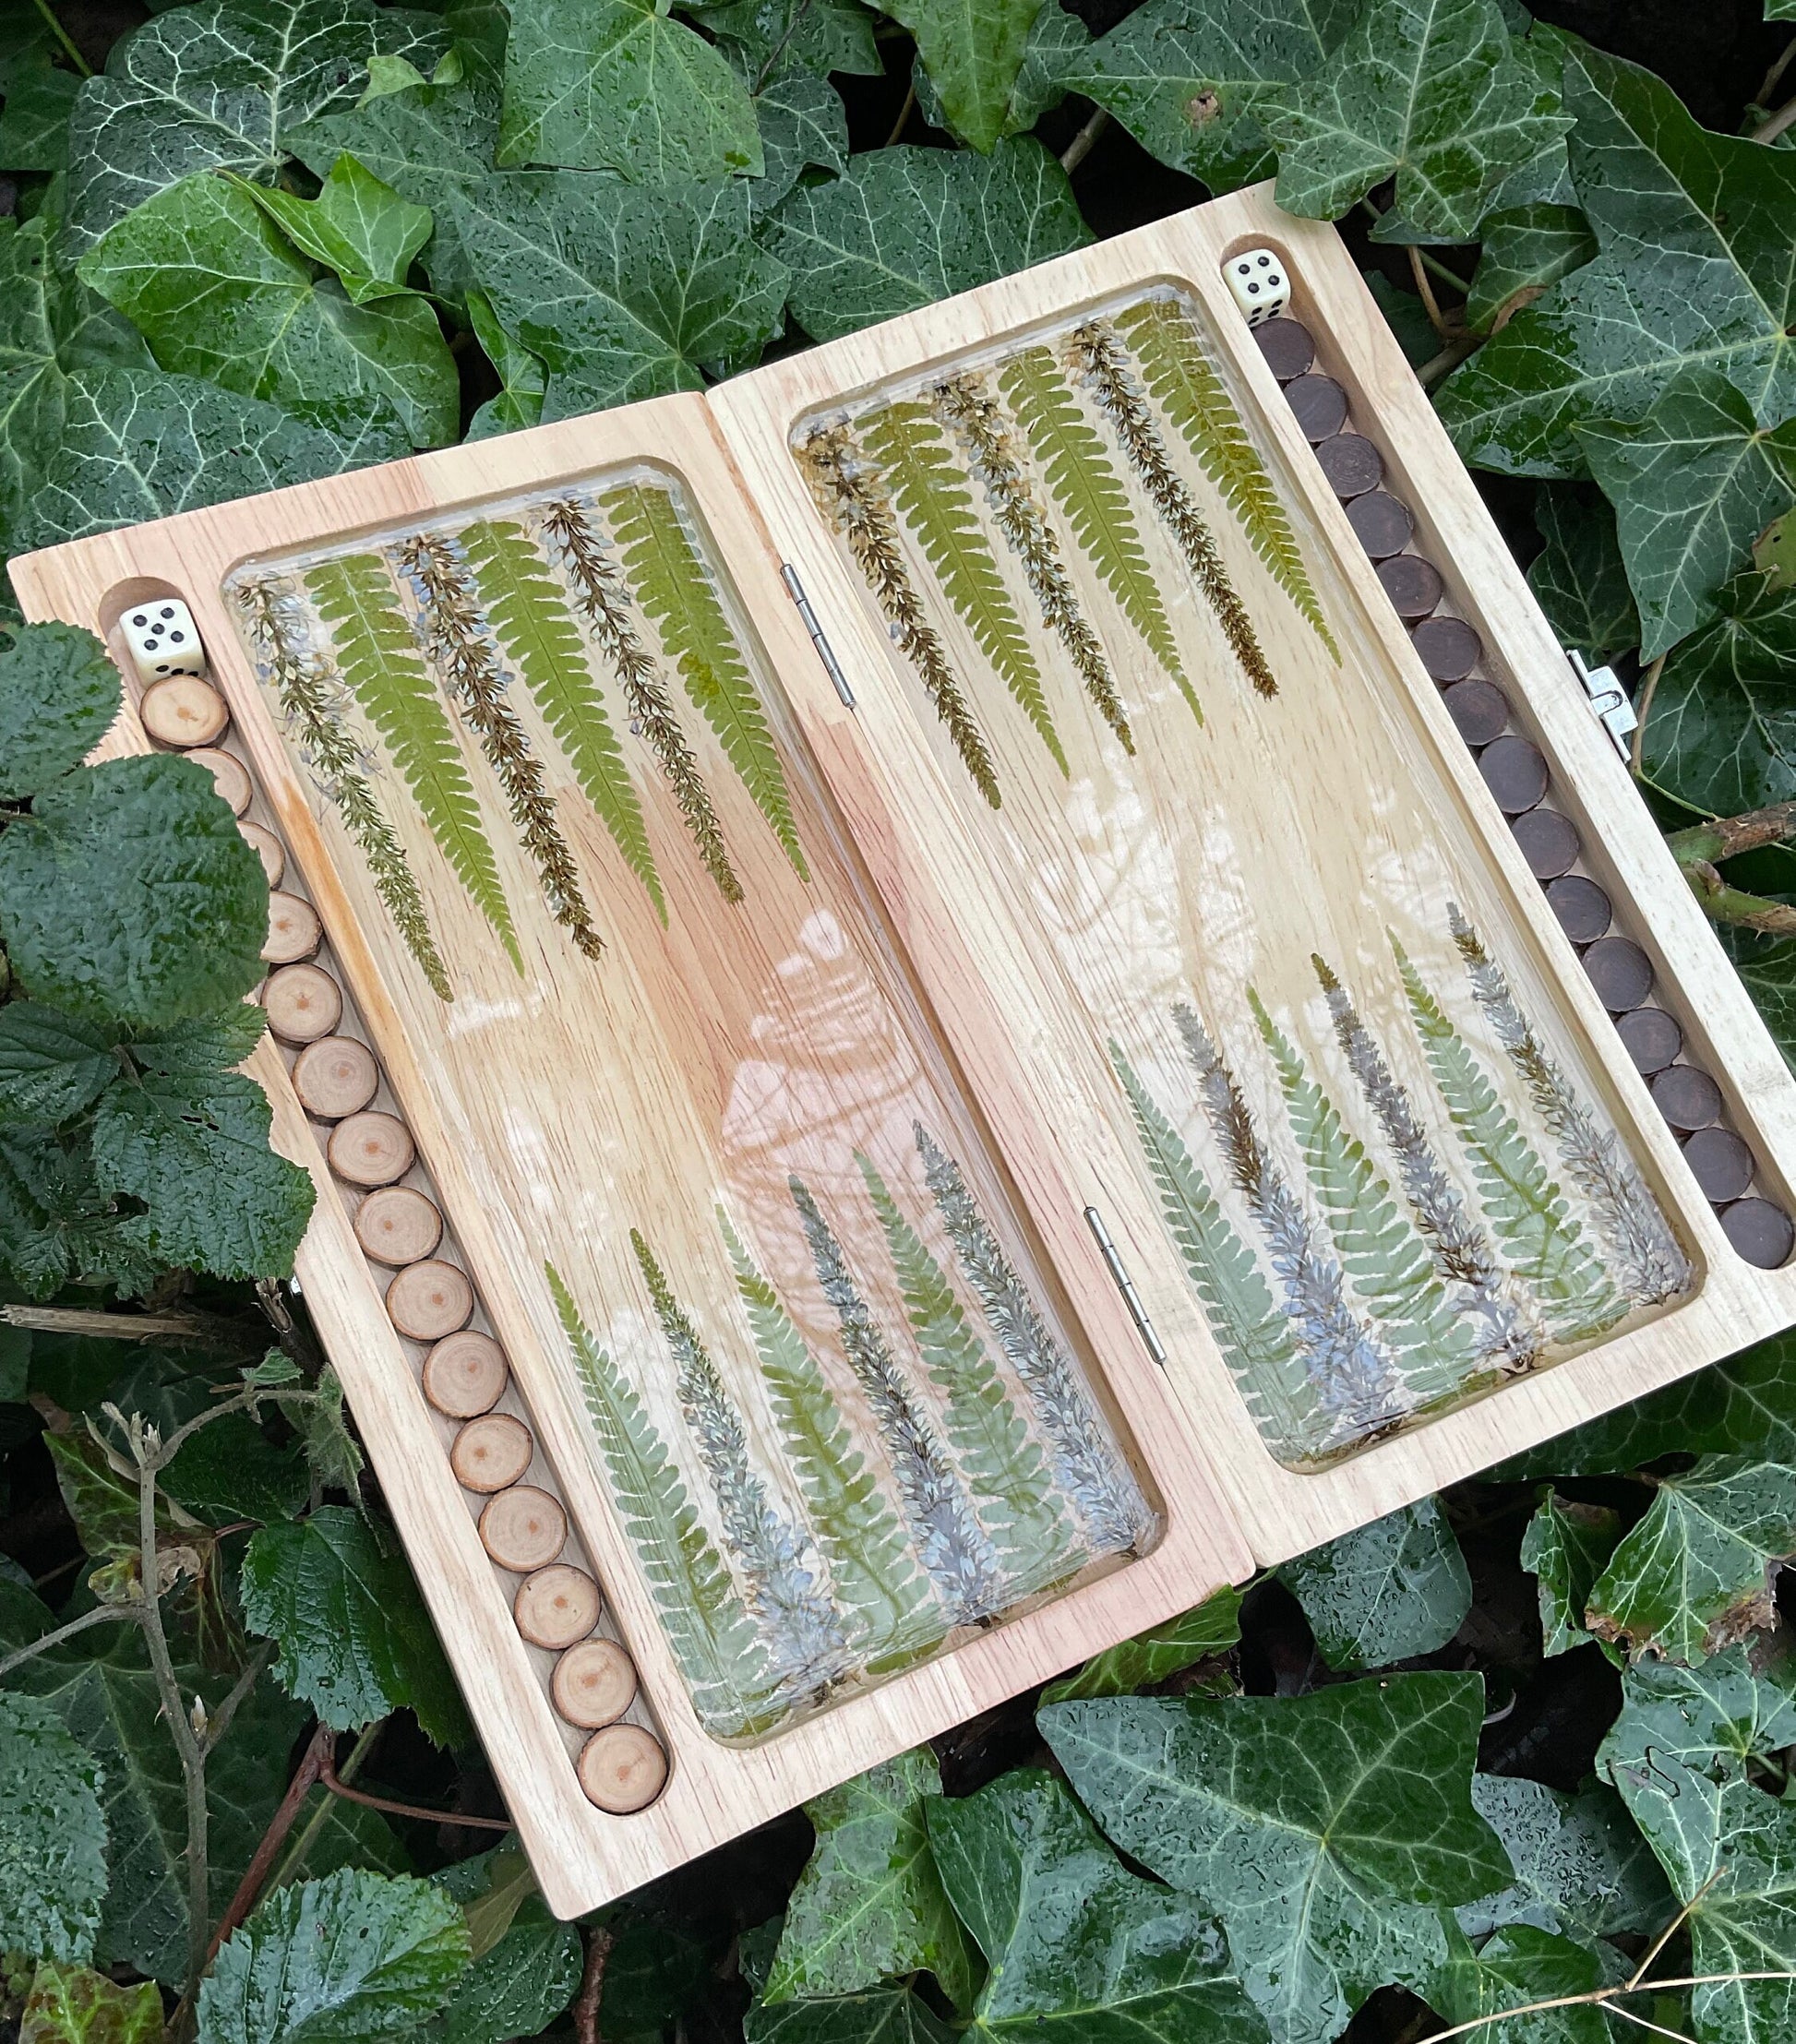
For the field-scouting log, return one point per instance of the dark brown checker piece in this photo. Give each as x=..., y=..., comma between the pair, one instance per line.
x=1583, y=911
x=1515, y=772
x=1413, y=585
x=1352, y=464
x=1480, y=710
x=1760, y=1232
x=1548, y=840
x=1381, y=523
x=1686, y=1097
x=1650, y=1037
x=1319, y=405
x=1722, y=1163
x=1286, y=346
x=1450, y=648
x=1621, y=971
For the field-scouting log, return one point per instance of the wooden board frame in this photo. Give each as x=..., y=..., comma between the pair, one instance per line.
x=1229, y=1505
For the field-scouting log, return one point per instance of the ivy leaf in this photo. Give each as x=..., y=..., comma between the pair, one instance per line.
x=870, y=1903
x=351, y=1957
x=59, y=693
x=51, y=1066
x=1578, y=575
x=1386, y=1592
x=521, y=375
x=1720, y=733
x=215, y=88
x=1582, y=1869
x=765, y=37
x=353, y=1638
x=1565, y=1549
x=1424, y=91
x=40, y=96
x=1513, y=1969
x=1693, y=233
x=73, y=2004
x=1212, y=1628
x=358, y=226
x=1696, y=1574
x=887, y=2015
x=53, y=1874
x=1071, y=1937
x=1188, y=77
x=803, y=125
x=618, y=85
x=1311, y=1826
x=1525, y=249
x=1774, y=551
x=131, y=897
x=903, y=227
x=1766, y=966
x=621, y=292
x=972, y=51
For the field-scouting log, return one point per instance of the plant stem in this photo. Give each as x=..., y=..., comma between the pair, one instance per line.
x=1725, y=837
x=1723, y=904
x=218, y=1722
x=1435, y=263
x=1642, y=709
x=1080, y=146
x=328, y=1776
x=1459, y=349
x=121, y=1327
x=592, y=1985
x=102, y=1614
x=256, y=1874
x=1775, y=123
x=1604, y=1998
x=899, y=125
x=63, y=36
x=1430, y=303
x=1763, y=96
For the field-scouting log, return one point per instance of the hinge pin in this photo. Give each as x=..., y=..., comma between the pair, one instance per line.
x=1125, y=1284
x=825, y=652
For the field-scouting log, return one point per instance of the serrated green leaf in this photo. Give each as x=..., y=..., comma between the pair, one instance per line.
x=59, y=693
x=1212, y=1627
x=331, y=1453
x=1308, y=1825
x=903, y=227
x=1514, y=1969
x=338, y=1961
x=1582, y=1869
x=1567, y=1546
x=352, y=1636
x=1578, y=575
x=52, y=1872
x=972, y=51
x=887, y=2015
x=131, y=897
x=51, y=1065
x=522, y=1979
x=870, y=1905
x=73, y=2004
x=1525, y=249
x=358, y=226
x=1387, y=1592
x=203, y=1042
x=57, y=1224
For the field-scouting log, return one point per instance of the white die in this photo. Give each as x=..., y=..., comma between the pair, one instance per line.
x=1257, y=279
x=164, y=638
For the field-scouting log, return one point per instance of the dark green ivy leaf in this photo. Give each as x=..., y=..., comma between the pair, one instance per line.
x=1388, y=1591
x=52, y=1871
x=40, y=96
x=357, y=226
x=887, y=2015
x=1525, y=249
x=522, y=378
x=803, y=125
x=1582, y=1869
x=1567, y=1546
x=1514, y=1969
x=525, y=1973
x=972, y=51
x=1766, y=966
x=58, y=696
x=765, y=39
x=1579, y=575
x=51, y=1066
x=1212, y=1628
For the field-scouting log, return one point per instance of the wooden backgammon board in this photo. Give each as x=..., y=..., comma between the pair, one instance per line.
x=938, y=1000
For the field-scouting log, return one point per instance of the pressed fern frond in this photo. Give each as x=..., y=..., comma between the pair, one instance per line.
x=313, y=699
x=377, y=654
x=1088, y=1464
x=874, y=1575
x=674, y=586
x=1255, y=1337
x=953, y=1548
x=849, y=494
x=1384, y=1258
x=965, y=403
x=455, y=641
x=1100, y=354
x=916, y=462
x=805, y=1634
x=1003, y=1465
x=713, y=1637
x=1184, y=383
x=1091, y=497
x=528, y=617
x=599, y=590
x=1526, y=1213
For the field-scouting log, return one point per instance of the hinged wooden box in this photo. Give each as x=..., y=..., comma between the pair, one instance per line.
x=940, y=999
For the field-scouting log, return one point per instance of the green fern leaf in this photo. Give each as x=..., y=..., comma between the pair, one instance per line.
x=1255, y=1337
x=917, y=463
x=712, y=1635
x=1005, y=1471
x=528, y=615
x=874, y=1575
x=1379, y=1249
x=1540, y=1238
x=1090, y=495
x=1187, y=387
x=378, y=657
x=670, y=581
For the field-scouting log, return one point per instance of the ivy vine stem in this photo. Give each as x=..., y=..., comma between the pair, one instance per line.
x=63, y=36
x=102, y=1614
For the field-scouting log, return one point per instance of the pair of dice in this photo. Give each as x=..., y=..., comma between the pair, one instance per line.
x=1261, y=288
x=164, y=639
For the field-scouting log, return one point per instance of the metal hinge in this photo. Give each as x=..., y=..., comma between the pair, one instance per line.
x=1609, y=701
x=825, y=652
x=1125, y=1284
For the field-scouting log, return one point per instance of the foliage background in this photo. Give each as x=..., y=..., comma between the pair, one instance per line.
x=1479, y=1755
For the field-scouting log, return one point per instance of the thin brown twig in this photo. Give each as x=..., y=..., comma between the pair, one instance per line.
x=905, y=112
x=327, y=1776
x=1671, y=1930
x=1080, y=146
x=1779, y=66
x=1659, y=2029
x=1648, y=689
x=1775, y=123
x=1725, y=837
x=129, y=1614
x=261, y=1864
x=592, y=1985
x=1604, y=1998
x=1430, y=303
x=1459, y=349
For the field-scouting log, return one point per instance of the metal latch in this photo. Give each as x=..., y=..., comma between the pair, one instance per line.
x=1125, y=1284
x=1609, y=701
x=825, y=652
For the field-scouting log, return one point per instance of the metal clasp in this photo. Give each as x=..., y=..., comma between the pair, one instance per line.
x=1609, y=701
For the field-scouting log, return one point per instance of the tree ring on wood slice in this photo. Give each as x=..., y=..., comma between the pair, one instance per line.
x=1548, y=840
x=622, y=1769
x=1760, y=1232
x=1650, y=1037
x=491, y=1452
x=371, y=1148
x=430, y=1300
x=183, y=712
x=594, y=1684
x=303, y=1002
x=1287, y=345
x=396, y=1224
x=523, y=1529
x=267, y=847
x=1413, y=584
x=1480, y=711
x=1515, y=771
x=1450, y=648
x=295, y=931
x=334, y=1077
x=1621, y=971
x=1351, y=463
x=465, y=1375
x=230, y=776
x=1381, y=523
x=1687, y=1097
x=557, y=1606
x=1722, y=1163
x=1318, y=403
